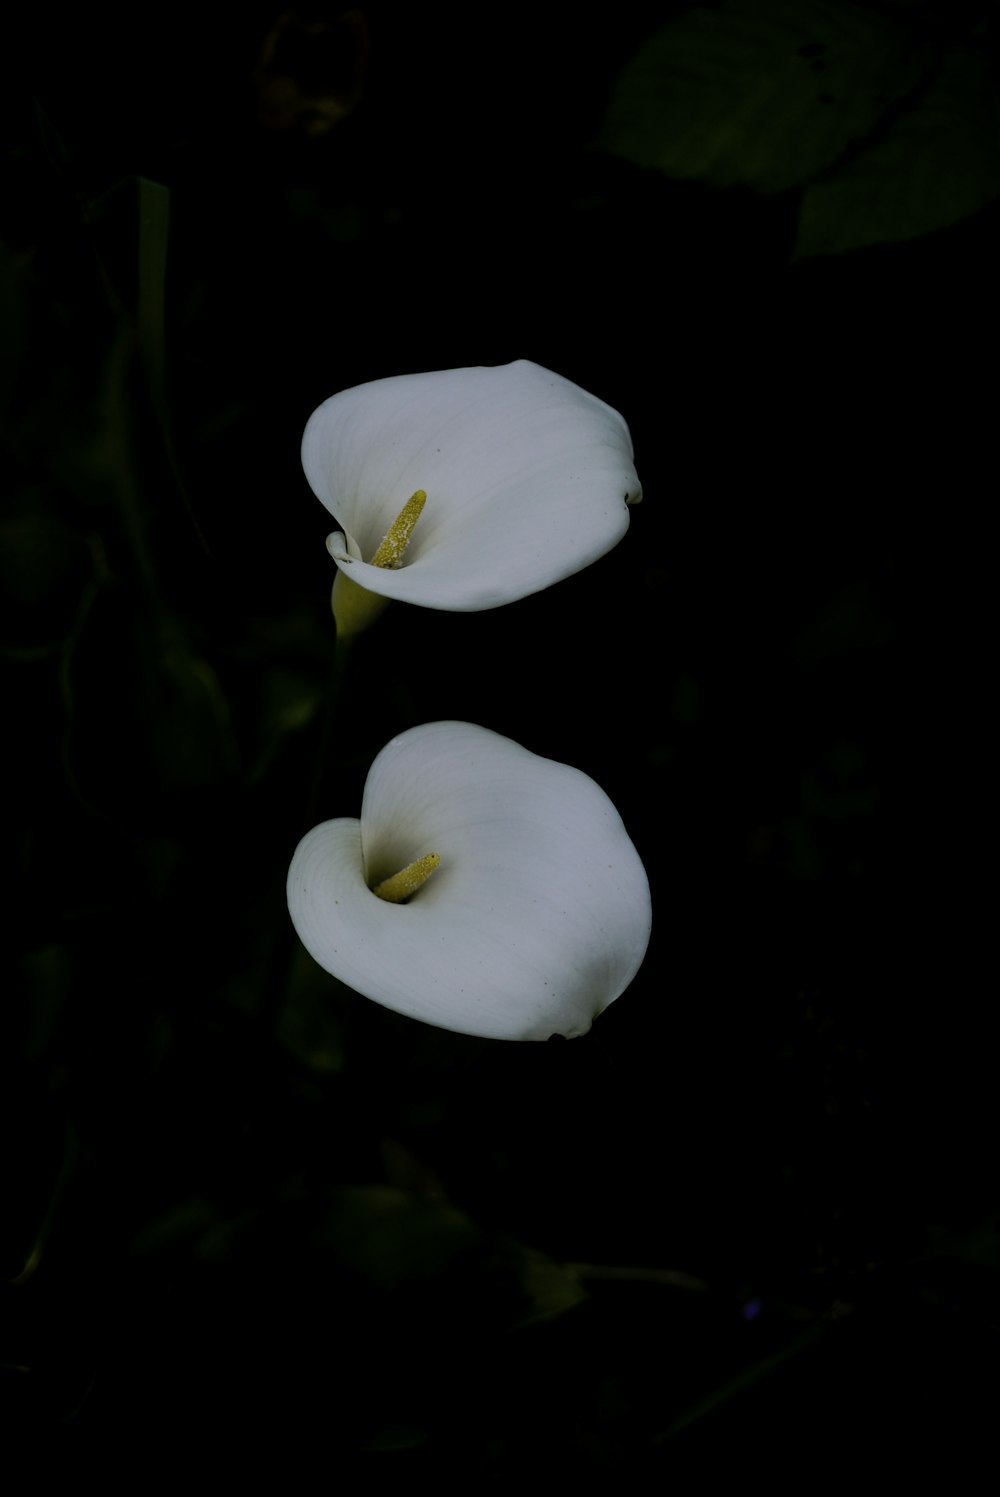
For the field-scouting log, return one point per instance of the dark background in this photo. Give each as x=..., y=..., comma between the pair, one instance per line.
x=750, y=1220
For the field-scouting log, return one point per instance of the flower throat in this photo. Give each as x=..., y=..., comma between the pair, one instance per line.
x=408, y=880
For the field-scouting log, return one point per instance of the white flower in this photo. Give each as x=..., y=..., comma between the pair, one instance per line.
x=527, y=907
x=526, y=478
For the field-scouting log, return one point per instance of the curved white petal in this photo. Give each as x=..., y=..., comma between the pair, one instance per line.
x=527, y=479
x=537, y=919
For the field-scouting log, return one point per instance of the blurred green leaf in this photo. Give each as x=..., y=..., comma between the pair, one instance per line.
x=287, y=702
x=938, y=162
x=309, y=1023
x=154, y=234
x=550, y=1288
x=979, y=1245
x=849, y=620
x=148, y=715
x=840, y=787
x=391, y=1237
x=745, y=1382
x=763, y=93
x=187, y=715
x=178, y=1229
x=46, y=974
x=33, y=1196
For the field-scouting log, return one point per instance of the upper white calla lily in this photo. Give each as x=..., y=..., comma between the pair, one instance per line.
x=531, y=911
x=526, y=477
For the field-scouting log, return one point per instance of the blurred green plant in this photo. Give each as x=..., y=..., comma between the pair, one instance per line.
x=886, y=125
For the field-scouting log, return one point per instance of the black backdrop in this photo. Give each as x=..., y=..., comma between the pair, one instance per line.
x=247, y=1214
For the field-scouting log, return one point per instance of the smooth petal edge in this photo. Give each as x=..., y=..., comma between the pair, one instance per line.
x=461, y=941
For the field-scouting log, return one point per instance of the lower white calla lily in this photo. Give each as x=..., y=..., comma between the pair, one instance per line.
x=529, y=910
x=526, y=477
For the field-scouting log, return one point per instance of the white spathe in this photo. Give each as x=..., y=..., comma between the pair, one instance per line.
x=537, y=918
x=527, y=480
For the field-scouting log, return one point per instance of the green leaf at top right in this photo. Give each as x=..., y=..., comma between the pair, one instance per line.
x=765, y=94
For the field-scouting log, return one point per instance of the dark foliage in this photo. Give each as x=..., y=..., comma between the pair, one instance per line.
x=751, y=1219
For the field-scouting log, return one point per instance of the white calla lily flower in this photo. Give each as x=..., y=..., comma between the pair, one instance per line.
x=467, y=488
x=485, y=889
